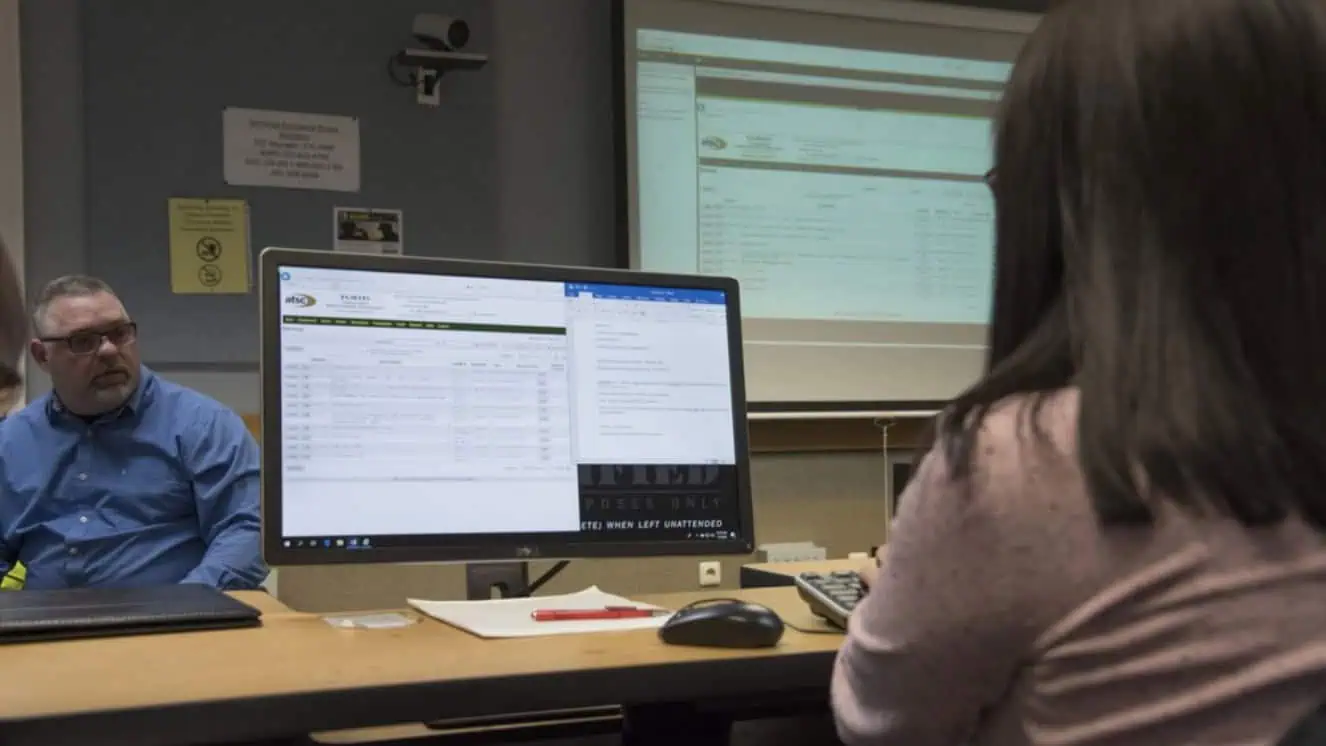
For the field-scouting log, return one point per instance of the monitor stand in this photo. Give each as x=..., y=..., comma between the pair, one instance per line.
x=509, y=579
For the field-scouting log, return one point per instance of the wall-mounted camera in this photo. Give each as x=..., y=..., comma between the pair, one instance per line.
x=441, y=33
x=442, y=38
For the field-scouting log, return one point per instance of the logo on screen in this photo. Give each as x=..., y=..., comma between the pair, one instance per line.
x=302, y=300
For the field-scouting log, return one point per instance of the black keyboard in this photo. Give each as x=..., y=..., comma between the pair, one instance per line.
x=831, y=595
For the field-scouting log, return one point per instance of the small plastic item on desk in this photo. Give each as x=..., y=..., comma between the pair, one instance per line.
x=370, y=621
x=607, y=612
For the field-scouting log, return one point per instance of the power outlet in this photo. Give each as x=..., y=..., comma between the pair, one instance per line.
x=711, y=574
x=426, y=87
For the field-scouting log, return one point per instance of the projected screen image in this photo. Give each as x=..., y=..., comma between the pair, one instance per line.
x=843, y=184
x=796, y=182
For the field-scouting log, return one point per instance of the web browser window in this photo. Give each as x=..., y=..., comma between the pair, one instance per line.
x=416, y=406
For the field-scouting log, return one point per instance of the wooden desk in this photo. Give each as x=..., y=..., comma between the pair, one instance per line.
x=296, y=674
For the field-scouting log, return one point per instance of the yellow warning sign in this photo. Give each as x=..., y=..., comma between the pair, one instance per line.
x=209, y=245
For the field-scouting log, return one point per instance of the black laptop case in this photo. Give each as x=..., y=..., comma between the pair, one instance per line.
x=32, y=616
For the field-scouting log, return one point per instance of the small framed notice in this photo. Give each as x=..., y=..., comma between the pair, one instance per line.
x=365, y=231
x=290, y=150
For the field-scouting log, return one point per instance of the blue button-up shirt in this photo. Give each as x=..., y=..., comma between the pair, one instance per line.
x=163, y=490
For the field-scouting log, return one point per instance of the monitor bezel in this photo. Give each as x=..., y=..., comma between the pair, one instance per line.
x=277, y=554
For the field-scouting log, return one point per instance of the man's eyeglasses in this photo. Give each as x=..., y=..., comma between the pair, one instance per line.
x=88, y=342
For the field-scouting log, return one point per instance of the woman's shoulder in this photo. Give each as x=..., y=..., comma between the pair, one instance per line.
x=1024, y=445
x=1022, y=502
x=1027, y=423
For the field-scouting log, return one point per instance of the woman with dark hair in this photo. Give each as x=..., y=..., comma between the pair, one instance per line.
x=1118, y=536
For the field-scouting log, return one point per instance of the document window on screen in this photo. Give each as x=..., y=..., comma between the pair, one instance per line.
x=798, y=168
x=420, y=407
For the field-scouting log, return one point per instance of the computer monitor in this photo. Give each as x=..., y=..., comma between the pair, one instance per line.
x=428, y=410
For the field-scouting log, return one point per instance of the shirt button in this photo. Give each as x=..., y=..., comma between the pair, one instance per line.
x=73, y=550
x=82, y=476
x=82, y=519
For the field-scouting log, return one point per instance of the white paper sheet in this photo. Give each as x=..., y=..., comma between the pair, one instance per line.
x=512, y=617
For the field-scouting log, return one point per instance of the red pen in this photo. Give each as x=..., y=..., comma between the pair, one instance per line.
x=582, y=615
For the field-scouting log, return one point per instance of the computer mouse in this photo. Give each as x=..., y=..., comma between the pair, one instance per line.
x=723, y=623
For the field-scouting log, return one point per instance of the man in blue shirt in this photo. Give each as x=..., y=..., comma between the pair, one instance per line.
x=119, y=477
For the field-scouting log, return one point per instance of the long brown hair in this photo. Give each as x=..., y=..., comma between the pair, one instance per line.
x=1161, y=245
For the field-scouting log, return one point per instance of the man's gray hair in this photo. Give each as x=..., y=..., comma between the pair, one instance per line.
x=69, y=286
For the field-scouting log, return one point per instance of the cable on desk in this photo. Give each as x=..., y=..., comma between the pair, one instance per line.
x=552, y=572
x=827, y=629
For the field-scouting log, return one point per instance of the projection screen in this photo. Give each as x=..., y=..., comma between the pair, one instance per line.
x=832, y=158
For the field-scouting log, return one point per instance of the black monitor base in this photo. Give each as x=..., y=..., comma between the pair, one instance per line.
x=508, y=579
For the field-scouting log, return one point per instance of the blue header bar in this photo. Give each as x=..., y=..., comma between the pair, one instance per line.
x=644, y=293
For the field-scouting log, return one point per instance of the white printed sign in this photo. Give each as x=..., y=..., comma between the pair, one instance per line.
x=286, y=149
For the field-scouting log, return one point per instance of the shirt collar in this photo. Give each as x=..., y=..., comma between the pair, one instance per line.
x=142, y=395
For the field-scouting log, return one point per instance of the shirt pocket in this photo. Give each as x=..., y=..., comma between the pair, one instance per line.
x=149, y=492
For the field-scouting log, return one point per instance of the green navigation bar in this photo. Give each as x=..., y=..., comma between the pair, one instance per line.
x=422, y=325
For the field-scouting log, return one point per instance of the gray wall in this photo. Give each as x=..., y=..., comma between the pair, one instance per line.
x=122, y=110
x=158, y=74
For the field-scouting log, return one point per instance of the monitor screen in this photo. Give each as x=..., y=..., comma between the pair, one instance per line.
x=419, y=410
